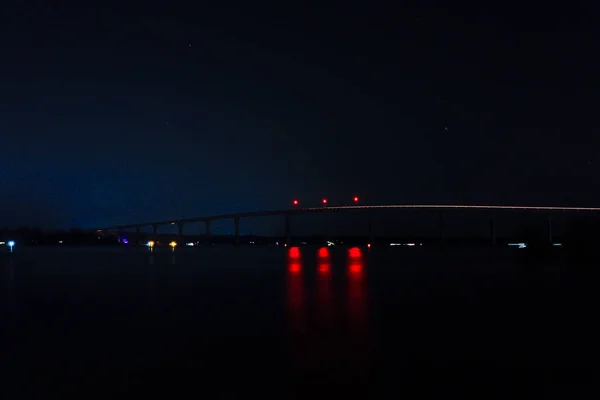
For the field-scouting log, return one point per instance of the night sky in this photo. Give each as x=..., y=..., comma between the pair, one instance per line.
x=114, y=114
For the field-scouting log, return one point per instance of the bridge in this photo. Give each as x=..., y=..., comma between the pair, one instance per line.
x=287, y=213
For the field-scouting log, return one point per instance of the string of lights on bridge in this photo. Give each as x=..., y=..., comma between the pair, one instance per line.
x=356, y=200
x=354, y=204
x=324, y=201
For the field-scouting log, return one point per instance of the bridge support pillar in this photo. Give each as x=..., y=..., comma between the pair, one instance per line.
x=493, y=232
x=236, y=221
x=441, y=228
x=155, y=228
x=207, y=230
x=180, y=226
x=550, y=230
x=371, y=234
x=288, y=229
x=137, y=234
x=121, y=234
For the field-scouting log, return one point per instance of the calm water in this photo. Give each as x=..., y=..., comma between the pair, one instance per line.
x=294, y=323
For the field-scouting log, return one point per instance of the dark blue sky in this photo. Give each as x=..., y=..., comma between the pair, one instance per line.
x=115, y=114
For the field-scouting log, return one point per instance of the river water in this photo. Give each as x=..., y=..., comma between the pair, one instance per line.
x=293, y=323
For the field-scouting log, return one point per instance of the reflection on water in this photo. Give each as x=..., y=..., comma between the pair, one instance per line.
x=329, y=329
x=295, y=291
x=320, y=322
x=294, y=253
x=323, y=252
x=8, y=284
x=357, y=302
x=356, y=287
x=353, y=296
x=11, y=269
x=325, y=307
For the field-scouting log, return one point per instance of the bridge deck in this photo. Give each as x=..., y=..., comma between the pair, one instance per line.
x=349, y=208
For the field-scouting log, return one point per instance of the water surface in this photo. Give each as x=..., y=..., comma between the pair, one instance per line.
x=293, y=323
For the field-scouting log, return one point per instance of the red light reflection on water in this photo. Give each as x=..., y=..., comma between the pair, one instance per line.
x=295, y=267
x=294, y=252
x=357, y=298
x=295, y=295
x=356, y=268
x=325, y=308
x=354, y=252
x=357, y=310
x=324, y=268
x=323, y=261
x=323, y=252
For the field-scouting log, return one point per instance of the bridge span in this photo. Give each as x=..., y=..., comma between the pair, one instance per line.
x=287, y=213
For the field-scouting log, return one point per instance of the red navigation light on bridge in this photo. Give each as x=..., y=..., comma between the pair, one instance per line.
x=324, y=201
x=355, y=199
x=295, y=202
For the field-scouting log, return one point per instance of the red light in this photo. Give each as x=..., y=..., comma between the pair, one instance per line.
x=355, y=252
x=323, y=252
x=324, y=201
x=355, y=199
x=356, y=268
x=294, y=252
x=295, y=202
x=355, y=260
x=295, y=268
x=324, y=267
